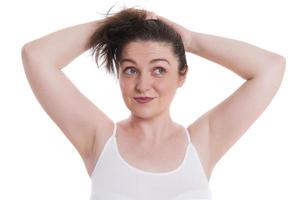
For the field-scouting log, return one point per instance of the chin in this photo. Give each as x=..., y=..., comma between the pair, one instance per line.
x=143, y=114
x=146, y=114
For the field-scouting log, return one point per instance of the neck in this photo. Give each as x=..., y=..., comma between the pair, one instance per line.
x=152, y=130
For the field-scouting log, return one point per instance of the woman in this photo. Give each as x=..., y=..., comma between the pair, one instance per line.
x=148, y=155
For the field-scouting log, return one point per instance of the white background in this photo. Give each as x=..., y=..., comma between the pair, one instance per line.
x=38, y=162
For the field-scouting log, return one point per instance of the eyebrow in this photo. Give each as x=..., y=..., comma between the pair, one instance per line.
x=152, y=61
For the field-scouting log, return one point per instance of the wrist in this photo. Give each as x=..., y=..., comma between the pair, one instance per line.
x=189, y=41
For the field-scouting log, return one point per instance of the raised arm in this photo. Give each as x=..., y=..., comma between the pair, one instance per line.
x=219, y=128
x=75, y=115
x=59, y=48
x=263, y=72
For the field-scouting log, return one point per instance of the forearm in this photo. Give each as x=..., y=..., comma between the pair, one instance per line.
x=59, y=48
x=242, y=58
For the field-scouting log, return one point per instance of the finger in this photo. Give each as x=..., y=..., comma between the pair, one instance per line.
x=167, y=21
x=164, y=19
x=151, y=15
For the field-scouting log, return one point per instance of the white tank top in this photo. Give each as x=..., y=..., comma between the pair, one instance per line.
x=113, y=178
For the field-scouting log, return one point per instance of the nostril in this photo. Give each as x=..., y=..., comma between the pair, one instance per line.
x=142, y=89
x=142, y=85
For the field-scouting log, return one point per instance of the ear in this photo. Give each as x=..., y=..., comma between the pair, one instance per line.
x=182, y=77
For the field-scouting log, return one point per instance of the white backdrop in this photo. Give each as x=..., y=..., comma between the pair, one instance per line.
x=37, y=160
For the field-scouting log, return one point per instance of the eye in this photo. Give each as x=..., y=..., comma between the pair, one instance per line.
x=160, y=70
x=129, y=70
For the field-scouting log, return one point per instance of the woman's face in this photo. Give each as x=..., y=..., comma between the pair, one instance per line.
x=148, y=69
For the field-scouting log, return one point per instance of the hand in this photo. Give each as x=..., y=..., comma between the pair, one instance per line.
x=185, y=34
x=151, y=15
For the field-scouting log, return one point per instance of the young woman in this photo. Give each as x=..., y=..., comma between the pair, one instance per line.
x=148, y=155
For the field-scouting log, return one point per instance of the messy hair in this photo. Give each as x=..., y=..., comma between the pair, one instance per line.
x=130, y=25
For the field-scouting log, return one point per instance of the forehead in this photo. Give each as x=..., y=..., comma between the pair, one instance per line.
x=148, y=51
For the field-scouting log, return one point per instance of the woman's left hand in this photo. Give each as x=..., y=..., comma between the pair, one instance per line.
x=186, y=35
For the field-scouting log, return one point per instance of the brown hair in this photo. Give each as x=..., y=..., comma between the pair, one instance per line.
x=127, y=26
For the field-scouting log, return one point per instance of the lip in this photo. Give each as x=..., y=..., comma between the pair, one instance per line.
x=143, y=99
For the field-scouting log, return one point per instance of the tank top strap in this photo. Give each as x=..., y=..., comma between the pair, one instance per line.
x=115, y=129
x=188, y=135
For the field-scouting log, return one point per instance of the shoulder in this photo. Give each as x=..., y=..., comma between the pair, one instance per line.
x=101, y=136
x=199, y=134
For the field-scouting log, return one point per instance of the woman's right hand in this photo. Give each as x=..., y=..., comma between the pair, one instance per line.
x=185, y=34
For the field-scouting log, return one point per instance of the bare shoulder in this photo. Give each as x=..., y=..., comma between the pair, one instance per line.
x=199, y=134
x=102, y=134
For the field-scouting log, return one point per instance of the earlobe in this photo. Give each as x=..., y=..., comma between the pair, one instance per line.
x=181, y=82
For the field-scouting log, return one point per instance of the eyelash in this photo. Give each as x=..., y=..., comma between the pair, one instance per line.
x=127, y=69
x=163, y=70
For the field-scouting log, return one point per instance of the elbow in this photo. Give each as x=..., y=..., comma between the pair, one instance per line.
x=278, y=65
x=24, y=49
x=275, y=63
x=275, y=69
x=27, y=49
x=279, y=61
x=25, y=54
x=28, y=54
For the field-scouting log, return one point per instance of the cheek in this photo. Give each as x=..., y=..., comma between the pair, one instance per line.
x=125, y=86
x=126, y=90
x=166, y=88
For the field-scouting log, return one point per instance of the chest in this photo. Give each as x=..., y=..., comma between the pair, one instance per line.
x=152, y=158
x=161, y=158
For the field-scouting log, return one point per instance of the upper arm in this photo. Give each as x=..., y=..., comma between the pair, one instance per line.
x=232, y=117
x=73, y=113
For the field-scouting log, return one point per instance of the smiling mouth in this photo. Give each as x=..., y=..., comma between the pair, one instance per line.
x=143, y=100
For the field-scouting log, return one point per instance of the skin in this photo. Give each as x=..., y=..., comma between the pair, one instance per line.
x=88, y=127
x=159, y=79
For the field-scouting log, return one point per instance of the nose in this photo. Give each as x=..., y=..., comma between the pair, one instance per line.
x=143, y=83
